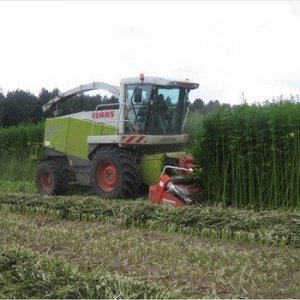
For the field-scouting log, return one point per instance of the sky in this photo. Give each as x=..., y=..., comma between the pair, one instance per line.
x=234, y=50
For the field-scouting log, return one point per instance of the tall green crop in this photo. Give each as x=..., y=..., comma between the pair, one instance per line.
x=16, y=138
x=17, y=166
x=15, y=149
x=251, y=156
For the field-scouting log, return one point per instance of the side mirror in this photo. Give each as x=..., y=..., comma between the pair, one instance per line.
x=138, y=95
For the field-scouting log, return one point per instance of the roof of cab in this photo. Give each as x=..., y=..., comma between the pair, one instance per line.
x=160, y=81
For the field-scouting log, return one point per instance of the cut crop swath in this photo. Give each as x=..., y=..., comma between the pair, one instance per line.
x=26, y=274
x=268, y=227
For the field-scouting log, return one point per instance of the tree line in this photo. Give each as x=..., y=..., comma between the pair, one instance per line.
x=23, y=107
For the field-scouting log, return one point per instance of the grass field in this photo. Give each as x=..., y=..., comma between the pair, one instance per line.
x=127, y=249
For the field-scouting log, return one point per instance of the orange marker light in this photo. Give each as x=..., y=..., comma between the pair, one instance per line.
x=142, y=77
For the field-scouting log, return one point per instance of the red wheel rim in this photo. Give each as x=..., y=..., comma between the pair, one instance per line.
x=46, y=181
x=107, y=177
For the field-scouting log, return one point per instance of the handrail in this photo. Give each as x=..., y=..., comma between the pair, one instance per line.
x=175, y=168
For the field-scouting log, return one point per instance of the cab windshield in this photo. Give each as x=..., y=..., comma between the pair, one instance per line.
x=157, y=110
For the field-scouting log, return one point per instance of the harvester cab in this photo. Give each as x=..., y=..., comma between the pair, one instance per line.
x=117, y=147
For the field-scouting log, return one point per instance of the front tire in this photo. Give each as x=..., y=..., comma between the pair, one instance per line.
x=114, y=173
x=51, y=178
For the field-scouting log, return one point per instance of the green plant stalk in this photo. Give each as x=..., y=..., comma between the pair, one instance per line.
x=261, y=146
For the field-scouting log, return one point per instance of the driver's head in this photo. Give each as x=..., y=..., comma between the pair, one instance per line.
x=160, y=98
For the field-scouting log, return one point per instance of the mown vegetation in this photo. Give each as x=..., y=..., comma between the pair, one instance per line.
x=270, y=227
x=25, y=274
x=250, y=156
x=189, y=265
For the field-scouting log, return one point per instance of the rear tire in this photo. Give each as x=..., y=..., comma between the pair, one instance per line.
x=114, y=173
x=51, y=178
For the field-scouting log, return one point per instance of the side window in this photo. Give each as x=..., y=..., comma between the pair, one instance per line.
x=146, y=93
x=171, y=96
x=137, y=111
x=129, y=92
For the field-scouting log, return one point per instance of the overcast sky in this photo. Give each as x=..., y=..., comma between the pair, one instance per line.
x=228, y=47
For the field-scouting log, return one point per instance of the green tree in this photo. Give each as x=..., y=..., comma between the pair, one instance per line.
x=19, y=107
x=197, y=105
x=44, y=97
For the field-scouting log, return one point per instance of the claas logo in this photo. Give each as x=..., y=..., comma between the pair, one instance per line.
x=103, y=114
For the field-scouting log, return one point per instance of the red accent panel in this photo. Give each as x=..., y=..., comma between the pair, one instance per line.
x=140, y=140
x=130, y=139
x=133, y=139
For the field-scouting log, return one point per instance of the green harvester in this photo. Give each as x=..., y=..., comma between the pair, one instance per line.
x=119, y=147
